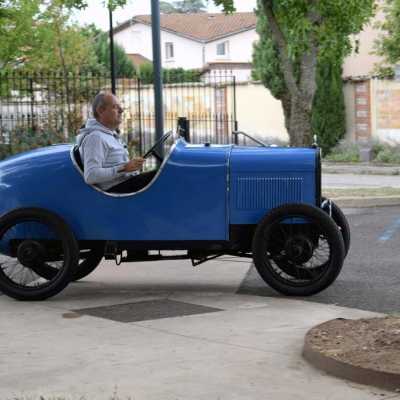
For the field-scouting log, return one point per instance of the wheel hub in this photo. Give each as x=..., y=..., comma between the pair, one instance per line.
x=30, y=253
x=299, y=249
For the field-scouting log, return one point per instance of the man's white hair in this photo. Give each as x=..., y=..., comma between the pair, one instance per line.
x=99, y=101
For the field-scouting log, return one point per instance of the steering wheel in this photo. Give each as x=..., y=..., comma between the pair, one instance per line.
x=153, y=149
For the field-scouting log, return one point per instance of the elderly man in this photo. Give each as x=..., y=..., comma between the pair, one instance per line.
x=105, y=158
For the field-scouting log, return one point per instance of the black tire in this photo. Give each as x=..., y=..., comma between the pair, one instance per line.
x=68, y=250
x=277, y=239
x=89, y=263
x=342, y=223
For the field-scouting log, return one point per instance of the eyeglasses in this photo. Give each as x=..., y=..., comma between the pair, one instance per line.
x=117, y=107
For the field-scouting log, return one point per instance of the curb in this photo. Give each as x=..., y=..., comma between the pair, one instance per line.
x=366, y=202
x=340, y=369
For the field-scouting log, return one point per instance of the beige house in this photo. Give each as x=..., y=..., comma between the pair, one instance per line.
x=363, y=61
x=372, y=104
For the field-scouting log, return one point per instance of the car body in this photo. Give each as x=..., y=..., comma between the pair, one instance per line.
x=205, y=199
x=199, y=193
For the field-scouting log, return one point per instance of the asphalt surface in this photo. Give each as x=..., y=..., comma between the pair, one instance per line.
x=370, y=278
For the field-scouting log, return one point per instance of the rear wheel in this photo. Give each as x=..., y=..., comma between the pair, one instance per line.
x=298, y=250
x=40, y=254
x=89, y=261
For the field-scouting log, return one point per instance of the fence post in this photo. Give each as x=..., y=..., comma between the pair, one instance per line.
x=184, y=128
x=32, y=103
x=236, y=124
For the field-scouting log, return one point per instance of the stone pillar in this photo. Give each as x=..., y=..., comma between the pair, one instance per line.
x=363, y=111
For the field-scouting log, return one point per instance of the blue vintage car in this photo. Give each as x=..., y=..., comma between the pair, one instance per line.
x=205, y=201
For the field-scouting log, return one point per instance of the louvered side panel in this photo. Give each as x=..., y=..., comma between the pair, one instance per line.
x=254, y=193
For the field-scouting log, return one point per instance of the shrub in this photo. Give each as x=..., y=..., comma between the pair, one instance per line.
x=388, y=154
x=344, y=152
x=171, y=75
x=24, y=139
x=377, y=147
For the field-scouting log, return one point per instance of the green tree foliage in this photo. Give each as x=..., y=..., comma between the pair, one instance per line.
x=43, y=38
x=388, y=44
x=167, y=8
x=38, y=36
x=124, y=67
x=298, y=37
x=182, y=7
x=17, y=31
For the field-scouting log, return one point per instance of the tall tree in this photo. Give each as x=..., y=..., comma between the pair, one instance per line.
x=328, y=113
x=124, y=65
x=294, y=37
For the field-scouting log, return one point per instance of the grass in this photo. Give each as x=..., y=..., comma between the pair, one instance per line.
x=361, y=192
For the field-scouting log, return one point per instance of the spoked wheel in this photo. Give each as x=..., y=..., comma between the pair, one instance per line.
x=298, y=250
x=40, y=254
x=341, y=221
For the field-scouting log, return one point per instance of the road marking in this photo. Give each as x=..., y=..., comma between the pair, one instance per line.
x=391, y=231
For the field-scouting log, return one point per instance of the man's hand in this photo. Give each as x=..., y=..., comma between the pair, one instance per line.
x=133, y=165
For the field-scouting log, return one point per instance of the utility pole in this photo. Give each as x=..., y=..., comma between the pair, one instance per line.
x=157, y=67
x=112, y=56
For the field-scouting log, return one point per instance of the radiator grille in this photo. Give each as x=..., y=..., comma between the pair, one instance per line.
x=266, y=193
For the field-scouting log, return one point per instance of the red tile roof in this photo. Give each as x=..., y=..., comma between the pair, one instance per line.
x=202, y=27
x=138, y=59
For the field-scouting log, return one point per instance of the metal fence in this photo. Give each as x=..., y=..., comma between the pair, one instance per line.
x=41, y=108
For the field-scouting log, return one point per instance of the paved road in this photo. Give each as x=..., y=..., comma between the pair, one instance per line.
x=358, y=181
x=370, y=279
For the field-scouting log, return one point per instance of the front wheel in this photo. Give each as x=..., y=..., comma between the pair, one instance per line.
x=341, y=221
x=298, y=250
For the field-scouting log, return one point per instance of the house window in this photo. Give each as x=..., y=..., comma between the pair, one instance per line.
x=222, y=49
x=169, y=50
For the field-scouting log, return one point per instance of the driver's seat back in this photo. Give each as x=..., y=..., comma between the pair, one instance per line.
x=77, y=157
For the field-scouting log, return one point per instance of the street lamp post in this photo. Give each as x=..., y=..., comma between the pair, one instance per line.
x=112, y=56
x=157, y=67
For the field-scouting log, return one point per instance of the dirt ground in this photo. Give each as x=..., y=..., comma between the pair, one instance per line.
x=368, y=343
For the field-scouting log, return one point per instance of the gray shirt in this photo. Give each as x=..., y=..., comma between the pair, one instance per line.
x=103, y=154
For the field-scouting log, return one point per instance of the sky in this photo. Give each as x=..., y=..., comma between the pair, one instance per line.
x=96, y=12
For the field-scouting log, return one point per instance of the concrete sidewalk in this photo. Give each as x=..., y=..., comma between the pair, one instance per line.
x=359, y=168
x=248, y=347
x=356, y=177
